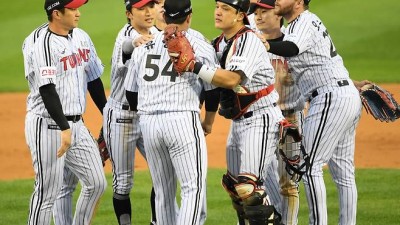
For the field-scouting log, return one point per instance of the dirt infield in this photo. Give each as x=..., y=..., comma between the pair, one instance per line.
x=377, y=143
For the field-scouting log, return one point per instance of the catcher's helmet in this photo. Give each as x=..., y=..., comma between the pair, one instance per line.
x=241, y=5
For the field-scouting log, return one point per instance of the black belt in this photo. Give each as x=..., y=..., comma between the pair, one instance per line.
x=288, y=112
x=341, y=83
x=74, y=118
x=250, y=113
x=125, y=107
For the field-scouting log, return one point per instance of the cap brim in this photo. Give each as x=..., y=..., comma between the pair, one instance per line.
x=253, y=7
x=143, y=3
x=75, y=4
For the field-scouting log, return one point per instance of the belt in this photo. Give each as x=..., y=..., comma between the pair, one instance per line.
x=288, y=112
x=125, y=107
x=74, y=118
x=250, y=113
x=341, y=83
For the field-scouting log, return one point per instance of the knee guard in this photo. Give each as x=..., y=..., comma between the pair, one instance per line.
x=250, y=190
x=262, y=215
x=229, y=182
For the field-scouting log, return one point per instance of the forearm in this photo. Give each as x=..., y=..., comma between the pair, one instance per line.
x=96, y=90
x=132, y=98
x=52, y=103
x=218, y=77
x=282, y=48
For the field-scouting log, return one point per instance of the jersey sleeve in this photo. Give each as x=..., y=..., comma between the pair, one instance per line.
x=133, y=70
x=244, y=54
x=44, y=64
x=95, y=68
x=300, y=32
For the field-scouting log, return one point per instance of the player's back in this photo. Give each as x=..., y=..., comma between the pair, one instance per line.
x=317, y=63
x=160, y=88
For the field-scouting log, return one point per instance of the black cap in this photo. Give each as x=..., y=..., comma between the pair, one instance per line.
x=137, y=3
x=266, y=4
x=50, y=5
x=177, y=8
x=306, y=2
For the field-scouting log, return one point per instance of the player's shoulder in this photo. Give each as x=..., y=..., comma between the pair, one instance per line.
x=197, y=34
x=31, y=38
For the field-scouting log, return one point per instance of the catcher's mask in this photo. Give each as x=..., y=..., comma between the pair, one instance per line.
x=292, y=151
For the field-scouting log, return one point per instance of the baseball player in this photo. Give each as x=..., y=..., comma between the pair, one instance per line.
x=253, y=133
x=269, y=25
x=168, y=106
x=334, y=108
x=61, y=66
x=121, y=125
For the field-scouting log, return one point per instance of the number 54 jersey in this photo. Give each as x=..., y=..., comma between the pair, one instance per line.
x=317, y=63
x=160, y=89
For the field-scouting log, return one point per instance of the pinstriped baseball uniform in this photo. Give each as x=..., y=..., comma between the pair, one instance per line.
x=252, y=141
x=333, y=114
x=175, y=145
x=120, y=124
x=69, y=62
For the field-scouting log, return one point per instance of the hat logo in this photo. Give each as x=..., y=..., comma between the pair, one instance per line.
x=173, y=14
x=53, y=5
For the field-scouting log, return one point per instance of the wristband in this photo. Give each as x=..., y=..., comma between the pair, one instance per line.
x=205, y=73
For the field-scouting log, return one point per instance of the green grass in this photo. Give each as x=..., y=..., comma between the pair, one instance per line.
x=378, y=200
x=366, y=35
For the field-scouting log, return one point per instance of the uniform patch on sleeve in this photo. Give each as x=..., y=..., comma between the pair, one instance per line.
x=48, y=72
x=237, y=61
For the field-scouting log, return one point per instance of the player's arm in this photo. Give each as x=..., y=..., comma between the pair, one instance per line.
x=132, y=98
x=96, y=90
x=211, y=101
x=217, y=76
x=282, y=48
x=53, y=105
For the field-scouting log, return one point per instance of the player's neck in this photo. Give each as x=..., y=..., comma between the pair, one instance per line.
x=293, y=15
x=272, y=33
x=141, y=30
x=229, y=33
x=160, y=25
x=58, y=29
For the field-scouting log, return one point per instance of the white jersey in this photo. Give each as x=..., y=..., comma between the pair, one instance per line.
x=324, y=65
x=118, y=67
x=159, y=87
x=69, y=62
x=249, y=55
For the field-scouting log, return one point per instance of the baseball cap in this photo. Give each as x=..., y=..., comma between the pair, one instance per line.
x=50, y=5
x=137, y=3
x=177, y=8
x=267, y=4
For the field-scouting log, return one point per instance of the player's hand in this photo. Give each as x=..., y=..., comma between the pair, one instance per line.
x=143, y=39
x=207, y=128
x=65, y=142
x=360, y=84
x=263, y=40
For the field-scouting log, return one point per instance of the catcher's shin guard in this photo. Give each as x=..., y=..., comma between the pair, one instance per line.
x=229, y=182
x=262, y=215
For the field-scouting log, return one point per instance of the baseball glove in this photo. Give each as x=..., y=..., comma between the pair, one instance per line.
x=104, y=154
x=379, y=103
x=179, y=49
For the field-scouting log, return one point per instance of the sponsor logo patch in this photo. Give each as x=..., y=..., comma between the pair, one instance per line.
x=124, y=120
x=48, y=72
